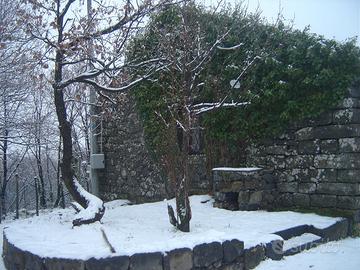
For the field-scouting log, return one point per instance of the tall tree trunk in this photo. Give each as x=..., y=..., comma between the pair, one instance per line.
x=180, y=177
x=67, y=153
x=5, y=175
x=51, y=192
x=40, y=172
x=182, y=189
x=58, y=180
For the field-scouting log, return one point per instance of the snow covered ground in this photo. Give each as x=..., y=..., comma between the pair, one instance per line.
x=342, y=254
x=145, y=228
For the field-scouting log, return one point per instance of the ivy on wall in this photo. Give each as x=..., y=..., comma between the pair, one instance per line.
x=297, y=75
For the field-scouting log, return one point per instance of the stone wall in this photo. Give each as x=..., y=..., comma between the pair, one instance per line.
x=130, y=169
x=317, y=162
x=208, y=256
x=130, y=172
x=226, y=255
x=244, y=189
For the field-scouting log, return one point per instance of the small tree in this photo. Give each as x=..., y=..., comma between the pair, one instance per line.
x=178, y=35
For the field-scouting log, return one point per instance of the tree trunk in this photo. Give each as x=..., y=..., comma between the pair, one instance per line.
x=58, y=180
x=51, y=192
x=41, y=173
x=78, y=194
x=67, y=155
x=17, y=196
x=5, y=176
x=183, y=209
x=36, y=196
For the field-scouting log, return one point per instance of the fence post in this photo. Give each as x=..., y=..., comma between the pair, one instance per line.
x=17, y=195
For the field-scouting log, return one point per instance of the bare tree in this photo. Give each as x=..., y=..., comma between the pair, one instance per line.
x=65, y=31
x=13, y=93
x=182, y=41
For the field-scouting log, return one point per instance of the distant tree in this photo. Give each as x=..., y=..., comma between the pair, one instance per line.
x=14, y=87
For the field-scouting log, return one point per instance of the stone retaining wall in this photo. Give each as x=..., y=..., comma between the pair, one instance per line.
x=317, y=162
x=228, y=255
x=211, y=256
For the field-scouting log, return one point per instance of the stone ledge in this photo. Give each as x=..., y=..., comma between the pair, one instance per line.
x=227, y=255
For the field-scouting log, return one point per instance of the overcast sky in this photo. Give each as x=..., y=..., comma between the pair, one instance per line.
x=339, y=19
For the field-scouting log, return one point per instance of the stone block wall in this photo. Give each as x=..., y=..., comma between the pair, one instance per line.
x=239, y=189
x=229, y=254
x=130, y=172
x=130, y=169
x=317, y=162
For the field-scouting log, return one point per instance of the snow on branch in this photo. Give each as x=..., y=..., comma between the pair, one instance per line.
x=80, y=78
x=235, y=82
x=206, y=107
x=88, y=76
x=95, y=207
x=162, y=118
x=230, y=48
x=207, y=55
x=100, y=87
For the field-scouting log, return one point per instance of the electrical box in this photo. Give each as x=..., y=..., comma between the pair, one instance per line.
x=97, y=161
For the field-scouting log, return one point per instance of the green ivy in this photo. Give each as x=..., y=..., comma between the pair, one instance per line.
x=298, y=75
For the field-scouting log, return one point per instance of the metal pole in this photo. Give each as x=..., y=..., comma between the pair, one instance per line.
x=92, y=97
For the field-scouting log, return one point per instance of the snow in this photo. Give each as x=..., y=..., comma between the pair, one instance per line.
x=230, y=48
x=235, y=84
x=230, y=169
x=342, y=254
x=95, y=205
x=299, y=240
x=146, y=228
x=205, y=107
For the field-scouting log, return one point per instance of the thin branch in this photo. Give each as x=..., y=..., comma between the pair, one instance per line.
x=112, y=249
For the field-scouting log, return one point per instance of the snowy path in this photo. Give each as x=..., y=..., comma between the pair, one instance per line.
x=344, y=254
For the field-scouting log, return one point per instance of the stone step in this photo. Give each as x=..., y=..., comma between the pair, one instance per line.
x=305, y=237
x=300, y=243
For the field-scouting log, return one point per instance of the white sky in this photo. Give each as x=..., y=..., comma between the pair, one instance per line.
x=339, y=19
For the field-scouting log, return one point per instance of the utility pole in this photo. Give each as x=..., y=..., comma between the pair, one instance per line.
x=92, y=99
